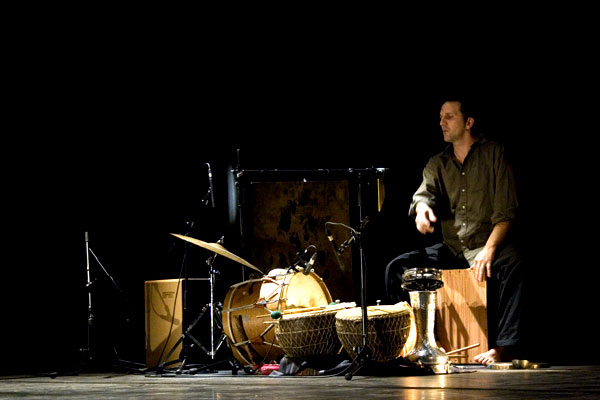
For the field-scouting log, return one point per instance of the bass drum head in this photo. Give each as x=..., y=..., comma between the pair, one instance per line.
x=248, y=305
x=283, y=290
x=251, y=340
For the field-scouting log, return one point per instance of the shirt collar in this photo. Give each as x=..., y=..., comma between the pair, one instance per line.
x=449, y=151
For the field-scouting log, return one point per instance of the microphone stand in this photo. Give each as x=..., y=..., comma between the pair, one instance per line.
x=239, y=199
x=88, y=352
x=364, y=353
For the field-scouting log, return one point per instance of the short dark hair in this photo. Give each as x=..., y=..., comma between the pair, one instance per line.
x=467, y=107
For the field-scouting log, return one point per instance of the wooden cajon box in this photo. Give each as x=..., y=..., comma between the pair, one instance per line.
x=163, y=307
x=461, y=318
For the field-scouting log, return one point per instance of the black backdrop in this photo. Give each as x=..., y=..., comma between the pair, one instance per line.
x=120, y=154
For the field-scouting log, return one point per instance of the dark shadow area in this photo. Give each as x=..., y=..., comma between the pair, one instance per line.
x=123, y=159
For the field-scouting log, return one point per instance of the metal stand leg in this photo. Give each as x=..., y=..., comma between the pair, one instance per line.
x=214, y=310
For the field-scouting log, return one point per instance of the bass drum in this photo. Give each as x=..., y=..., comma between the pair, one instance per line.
x=248, y=305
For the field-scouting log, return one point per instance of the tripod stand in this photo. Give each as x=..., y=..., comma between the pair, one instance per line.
x=214, y=309
x=88, y=353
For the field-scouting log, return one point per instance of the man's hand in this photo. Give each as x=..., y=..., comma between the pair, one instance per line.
x=425, y=218
x=482, y=265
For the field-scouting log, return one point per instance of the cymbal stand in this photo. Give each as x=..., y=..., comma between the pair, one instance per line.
x=215, y=316
x=213, y=311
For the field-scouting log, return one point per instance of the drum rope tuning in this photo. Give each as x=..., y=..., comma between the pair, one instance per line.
x=246, y=304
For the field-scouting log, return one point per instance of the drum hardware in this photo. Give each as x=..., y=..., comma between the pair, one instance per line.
x=185, y=350
x=422, y=283
x=213, y=307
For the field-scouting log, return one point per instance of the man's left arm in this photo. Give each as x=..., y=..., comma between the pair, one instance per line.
x=482, y=266
x=505, y=204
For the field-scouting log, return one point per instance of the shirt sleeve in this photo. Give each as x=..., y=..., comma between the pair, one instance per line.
x=505, y=201
x=428, y=190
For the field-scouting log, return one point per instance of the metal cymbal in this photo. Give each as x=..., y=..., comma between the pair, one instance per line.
x=217, y=248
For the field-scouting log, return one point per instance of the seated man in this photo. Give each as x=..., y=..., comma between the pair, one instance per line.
x=469, y=188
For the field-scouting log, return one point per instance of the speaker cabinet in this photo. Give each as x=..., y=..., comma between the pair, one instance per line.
x=167, y=316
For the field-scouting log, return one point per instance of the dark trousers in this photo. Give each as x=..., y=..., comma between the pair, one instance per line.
x=504, y=289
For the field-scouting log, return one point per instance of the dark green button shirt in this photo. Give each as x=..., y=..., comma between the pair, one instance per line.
x=468, y=199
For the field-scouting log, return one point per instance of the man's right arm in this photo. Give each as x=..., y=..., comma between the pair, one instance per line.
x=425, y=200
x=425, y=218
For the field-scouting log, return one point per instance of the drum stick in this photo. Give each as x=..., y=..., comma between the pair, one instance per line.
x=294, y=311
x=462, y=349
x=299, y=310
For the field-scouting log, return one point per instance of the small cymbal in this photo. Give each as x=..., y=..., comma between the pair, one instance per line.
x=217, y=248
x=500, y=365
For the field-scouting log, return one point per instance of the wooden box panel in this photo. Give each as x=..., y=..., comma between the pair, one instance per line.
x=461, y=318
x=163, y=305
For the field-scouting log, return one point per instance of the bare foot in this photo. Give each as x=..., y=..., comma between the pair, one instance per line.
x=491, y=356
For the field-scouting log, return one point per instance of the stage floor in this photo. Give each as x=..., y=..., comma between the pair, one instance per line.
x=555, y=382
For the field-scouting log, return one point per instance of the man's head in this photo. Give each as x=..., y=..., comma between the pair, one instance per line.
x=456, y=120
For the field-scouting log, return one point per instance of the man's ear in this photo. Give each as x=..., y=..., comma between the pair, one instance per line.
x=470, y=122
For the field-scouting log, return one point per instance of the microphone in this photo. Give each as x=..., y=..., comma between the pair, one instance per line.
x=345, y=245
x=364, y=222
x=210, y=184
x=336, y=250
x=308, y=266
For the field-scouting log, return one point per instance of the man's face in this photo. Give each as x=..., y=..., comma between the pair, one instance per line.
x=452, y=121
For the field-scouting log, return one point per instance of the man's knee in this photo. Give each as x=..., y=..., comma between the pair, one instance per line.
x=510, y=263
x=393, y=278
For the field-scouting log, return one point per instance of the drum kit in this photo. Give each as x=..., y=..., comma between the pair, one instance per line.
x=290, y=312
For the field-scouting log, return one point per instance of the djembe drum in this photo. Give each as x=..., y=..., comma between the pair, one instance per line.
x=310, y=335
x=388, y=330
